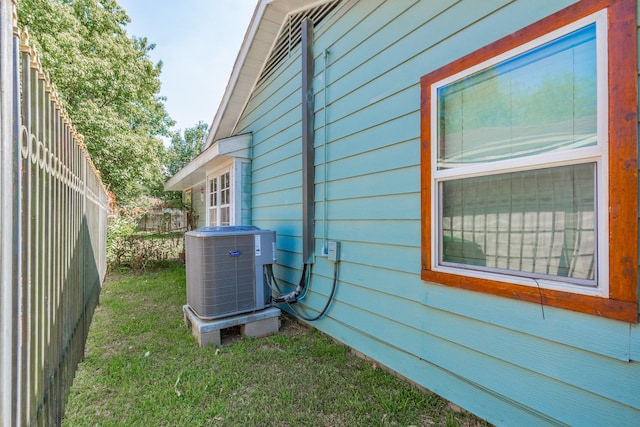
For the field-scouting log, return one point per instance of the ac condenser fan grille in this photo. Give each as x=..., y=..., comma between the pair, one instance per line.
x=224, y=270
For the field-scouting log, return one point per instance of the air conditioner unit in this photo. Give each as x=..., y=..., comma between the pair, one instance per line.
x=225, y=269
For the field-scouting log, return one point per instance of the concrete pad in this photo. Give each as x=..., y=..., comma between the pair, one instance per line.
x=261, y=328
x=257, y=324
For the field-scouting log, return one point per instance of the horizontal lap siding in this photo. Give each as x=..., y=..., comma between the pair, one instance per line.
x=510, y=362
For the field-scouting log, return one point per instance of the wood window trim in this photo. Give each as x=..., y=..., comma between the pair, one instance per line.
x=622, y=302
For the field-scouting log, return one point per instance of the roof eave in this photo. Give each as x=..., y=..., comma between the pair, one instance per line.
x=263, y=30
x=219, y=152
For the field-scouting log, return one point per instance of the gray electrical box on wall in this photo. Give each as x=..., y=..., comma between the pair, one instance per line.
x=225, y=269
x=333, y=251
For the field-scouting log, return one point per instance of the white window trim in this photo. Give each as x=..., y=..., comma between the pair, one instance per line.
x=236, y=191
x=216, y=173
x=597, y=154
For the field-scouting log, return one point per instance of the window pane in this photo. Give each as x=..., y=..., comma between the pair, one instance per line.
x=213, y=192
x=542, y=100
x=224, y=216
x=225, y=189
x=213, y=216
x=540, y=222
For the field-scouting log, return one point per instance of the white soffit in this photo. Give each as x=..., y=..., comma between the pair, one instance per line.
x=195, y=171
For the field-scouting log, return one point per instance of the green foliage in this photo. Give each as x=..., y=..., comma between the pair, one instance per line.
x=108, y=85
x=142, y=251
x=185, y=148
x=129, y=248
x=119, y=230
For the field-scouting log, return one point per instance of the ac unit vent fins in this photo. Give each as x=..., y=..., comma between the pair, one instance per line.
x=224, y=270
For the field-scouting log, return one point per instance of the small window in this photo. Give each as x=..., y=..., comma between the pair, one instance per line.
x=519, y=164
x=220, y=199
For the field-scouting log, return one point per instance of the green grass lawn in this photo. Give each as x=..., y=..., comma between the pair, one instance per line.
x=143, y=367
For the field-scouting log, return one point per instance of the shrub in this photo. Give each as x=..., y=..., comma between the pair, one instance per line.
x=119, y=230
x=127, y=247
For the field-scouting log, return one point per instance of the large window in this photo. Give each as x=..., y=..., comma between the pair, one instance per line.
x=526, y=143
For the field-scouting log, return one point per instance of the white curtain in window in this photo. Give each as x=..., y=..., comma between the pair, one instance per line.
x=543, y=100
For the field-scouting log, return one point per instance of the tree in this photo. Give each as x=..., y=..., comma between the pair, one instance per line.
x=185, y=148
x=108, y=85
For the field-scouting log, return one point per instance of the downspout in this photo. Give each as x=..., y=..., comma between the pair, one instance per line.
x=308, y=188
x=325, y=214
x=308, y=150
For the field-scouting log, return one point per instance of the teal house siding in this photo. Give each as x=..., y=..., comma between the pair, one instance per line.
x=245, y=193
x=511, y=362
